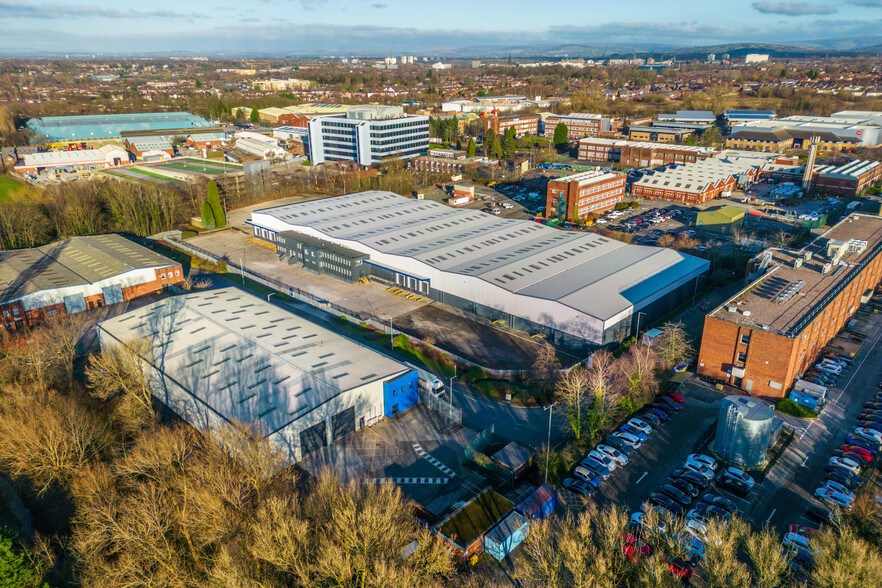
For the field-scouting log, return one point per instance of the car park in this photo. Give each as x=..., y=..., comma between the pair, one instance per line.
x=579, y=486
x=613, y=453
x=676, y=494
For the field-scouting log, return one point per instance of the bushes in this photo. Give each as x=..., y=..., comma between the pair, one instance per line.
x=787, y=406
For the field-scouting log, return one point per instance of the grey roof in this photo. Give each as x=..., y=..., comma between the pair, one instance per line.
x=591, y=273
x=76, y=261
x=250, y=360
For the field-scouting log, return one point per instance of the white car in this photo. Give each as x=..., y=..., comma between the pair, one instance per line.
x=619, y=457
x=629, y=439
x=604, y=459
x=700, y=469
x=638, y=519
x=740, y=475
x=834, y=485
x=696, y=528
x=707, y=460
x=871, y=435
x=797, y=541
x=601, y=221
x=829, y=368
x=832, y=497
x=846, y=463
x=640, y=426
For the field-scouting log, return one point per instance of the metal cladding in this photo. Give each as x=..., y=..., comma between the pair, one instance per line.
x=744, y=428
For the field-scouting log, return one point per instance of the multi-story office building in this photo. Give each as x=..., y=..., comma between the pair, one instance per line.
x=527, y=124
x=771, y=332
x=641, y=153
x=581, y=124
x=575, y=197
x=368, y=135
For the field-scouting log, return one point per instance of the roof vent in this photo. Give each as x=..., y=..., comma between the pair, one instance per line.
x=745, y=312
x=797, y=263
x=732, y=308
x=807, y=256
x=826, y=269
x=764, y=327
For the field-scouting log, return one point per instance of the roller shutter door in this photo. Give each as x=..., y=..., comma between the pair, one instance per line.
x=343, y=423
x=74, y=303
x=312, y=438
x=112, y=294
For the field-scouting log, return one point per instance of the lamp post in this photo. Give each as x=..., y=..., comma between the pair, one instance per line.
x=550, y=409
x=637, y=333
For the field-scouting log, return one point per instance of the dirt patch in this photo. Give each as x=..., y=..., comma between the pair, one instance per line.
x=484, y=345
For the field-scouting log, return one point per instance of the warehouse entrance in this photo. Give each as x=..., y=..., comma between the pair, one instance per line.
x=313, y=438
x=343, y=423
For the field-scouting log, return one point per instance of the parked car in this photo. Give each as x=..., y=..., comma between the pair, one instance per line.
x=740, y=475
x=639, y=519
x=796, y=541
x=858, y=457
x=846, y=463
x=866, y=453
x=604, y=459
x=832, y=497
x=685, y=487
x=631, y=440
x=640, y=425
x=613, y=453
x=658, y=413
x=844, y=477
x=693, y=546
x=649, y=418
x=700, y=469
x=869, y=434
x=587, y=475
x=833, y=484
x=619, y=444
x=819, y=514
x=633, y=548
x=681, y=568
x=580, y=486
x=723, y=503
x=675, y=493
x=692, y=477
x=667, y=502
x=626, y=428
x=707, y=460
x=596, y=467
x=829, y=367
x=676, y=397
x=871, y=446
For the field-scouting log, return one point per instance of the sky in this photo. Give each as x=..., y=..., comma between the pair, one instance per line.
x=346, y=26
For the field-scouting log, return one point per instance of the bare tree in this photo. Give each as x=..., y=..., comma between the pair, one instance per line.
x=122, y=373
x=545, y=367
x=673, y=345
x=571, y=389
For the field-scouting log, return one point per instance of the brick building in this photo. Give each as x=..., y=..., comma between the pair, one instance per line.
x=771, y=332
x=78, y=274
x=575, y=197
x=661, y=134
x=524, y=124
x=442, y=165
x=852, y=179
x=701, y=181
x=581, y=124
x=641, y=153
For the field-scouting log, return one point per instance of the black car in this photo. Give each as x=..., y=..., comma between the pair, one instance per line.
x=651, y=419
x=684, y=486
x=696, y=480
x=845, y=472
x=676, y=494
x=819, y=514
x=666, y=502
x=733, y=485
x=579, y=486
x=873, y=425
x=665, y=401
x=846, y=481
x=723, y=503
x=715, y=511
x=619, y=444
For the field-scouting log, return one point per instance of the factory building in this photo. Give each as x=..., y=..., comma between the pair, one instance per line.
x=61, y=130
x=105, y=156
x=367, y=135
x=841, y=131
x=699, y=182
x=702, y=117
x=78, y=274
x=732, y=117
x=770, y=333
x=660, y=134
x=851, y=179
x=592, y=192
x=581, y=124
x=224, y=356
x=582, y=289
x=641, y=153
x=524, y=124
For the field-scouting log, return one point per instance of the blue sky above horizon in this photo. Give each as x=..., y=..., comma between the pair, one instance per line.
x=341, y=26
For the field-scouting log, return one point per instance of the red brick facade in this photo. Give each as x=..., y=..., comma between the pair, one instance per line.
x=575, y=199
x=527, y=124
x=639, y=154
x=709, y=192
x=772, y=361
x=11, y=320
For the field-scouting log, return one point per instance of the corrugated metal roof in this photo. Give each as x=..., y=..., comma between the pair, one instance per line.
x=250, y=360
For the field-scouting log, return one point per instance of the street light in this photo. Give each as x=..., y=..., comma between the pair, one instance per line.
x=637, y=333
x=550, y=409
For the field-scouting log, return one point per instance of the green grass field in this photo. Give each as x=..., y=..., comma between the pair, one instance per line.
x=194, y=167
x=223, y=164
x=123, y=176
x=9, y=186
x=150, y=174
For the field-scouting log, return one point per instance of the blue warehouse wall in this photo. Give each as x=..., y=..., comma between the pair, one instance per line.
x=400, y=394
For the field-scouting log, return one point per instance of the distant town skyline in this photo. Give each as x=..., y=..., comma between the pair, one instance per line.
x=341, y=26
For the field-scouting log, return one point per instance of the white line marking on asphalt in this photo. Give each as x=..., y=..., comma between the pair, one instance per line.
x=771, y=515
x=641, y=477
x=860, y=365
x=805, y=460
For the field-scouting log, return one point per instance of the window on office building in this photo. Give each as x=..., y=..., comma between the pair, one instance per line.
x=742, y=357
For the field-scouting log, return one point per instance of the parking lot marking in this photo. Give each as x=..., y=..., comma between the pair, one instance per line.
x=806, y=459
x=860, y=365
x=641, y=477
x=771, y=515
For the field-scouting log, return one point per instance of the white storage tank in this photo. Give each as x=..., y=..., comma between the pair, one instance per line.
x=744, y=429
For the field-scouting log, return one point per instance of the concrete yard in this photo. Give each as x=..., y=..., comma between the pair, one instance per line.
x=418, y=450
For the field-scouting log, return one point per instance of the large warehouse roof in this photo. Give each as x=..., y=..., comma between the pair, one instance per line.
x=76, y=261
x=249, y=360
x=588, y=272
x=103, y=126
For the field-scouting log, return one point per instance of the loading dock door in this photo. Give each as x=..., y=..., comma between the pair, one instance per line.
x=343, y=423
x=112, y=294
x=74, y=303
x=312, y=438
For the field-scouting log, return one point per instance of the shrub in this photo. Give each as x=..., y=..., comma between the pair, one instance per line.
x=787, y=406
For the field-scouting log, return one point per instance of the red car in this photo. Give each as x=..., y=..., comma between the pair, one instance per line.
x=633, y=548
x=861, y=458
x=808, y=532
x=858, y=450
x=676, y=397
x=680, y=568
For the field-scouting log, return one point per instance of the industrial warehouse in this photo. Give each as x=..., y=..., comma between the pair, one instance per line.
x=224, y=356
x=78, y=274
x=60, y=130
x=578, y=289
x=770, y=333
